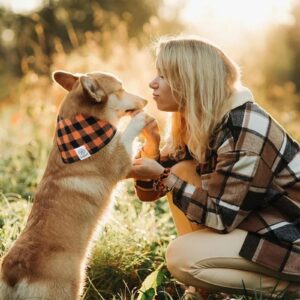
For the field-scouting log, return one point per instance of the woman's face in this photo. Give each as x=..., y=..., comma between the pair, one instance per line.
x=162, y=94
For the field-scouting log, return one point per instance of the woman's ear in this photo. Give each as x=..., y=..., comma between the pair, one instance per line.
x=65, y=79
x=93, y=91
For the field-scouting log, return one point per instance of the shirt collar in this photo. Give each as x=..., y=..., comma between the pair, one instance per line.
x=240, y=96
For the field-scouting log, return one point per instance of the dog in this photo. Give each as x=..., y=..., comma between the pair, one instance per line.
x=89, y=156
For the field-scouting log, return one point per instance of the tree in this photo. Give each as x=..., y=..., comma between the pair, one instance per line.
x=29, y=41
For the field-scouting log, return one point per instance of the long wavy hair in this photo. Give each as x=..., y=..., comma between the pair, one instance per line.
x=202, y=78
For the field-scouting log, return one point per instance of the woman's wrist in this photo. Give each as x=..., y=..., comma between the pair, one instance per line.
x=152, y=138
x=150, y=152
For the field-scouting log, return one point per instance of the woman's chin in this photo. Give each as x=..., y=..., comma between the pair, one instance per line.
x=160, y=107
x=165, y=108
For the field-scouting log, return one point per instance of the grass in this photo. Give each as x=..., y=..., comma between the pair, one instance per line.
x=13, y=214
x=130, y=246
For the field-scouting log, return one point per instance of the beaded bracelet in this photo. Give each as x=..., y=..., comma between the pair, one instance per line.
x=158, y=185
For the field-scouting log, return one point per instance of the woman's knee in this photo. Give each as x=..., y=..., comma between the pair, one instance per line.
x=172, y=255
x=182, y=267
x=177, y=261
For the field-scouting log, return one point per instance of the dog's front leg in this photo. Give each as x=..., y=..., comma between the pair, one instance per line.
x=137, y=123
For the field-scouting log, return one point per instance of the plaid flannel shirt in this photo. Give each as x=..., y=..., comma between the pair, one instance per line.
x=251, y=180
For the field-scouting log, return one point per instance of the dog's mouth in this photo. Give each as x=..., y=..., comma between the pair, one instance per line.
x=130, y=110
x=125, y=113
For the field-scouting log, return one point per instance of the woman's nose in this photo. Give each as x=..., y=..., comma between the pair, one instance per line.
x=153, y=84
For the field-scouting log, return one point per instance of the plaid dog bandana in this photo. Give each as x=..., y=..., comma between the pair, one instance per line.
x=81, y=137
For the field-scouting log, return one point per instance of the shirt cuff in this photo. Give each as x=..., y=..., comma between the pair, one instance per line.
x=146, y=184
x=170, y=181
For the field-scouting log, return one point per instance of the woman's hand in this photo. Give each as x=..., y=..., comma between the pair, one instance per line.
x=145, y=168
x=151, y=135
x=151, y=146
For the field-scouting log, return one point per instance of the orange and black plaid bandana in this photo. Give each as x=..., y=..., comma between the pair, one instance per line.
x=81, y=137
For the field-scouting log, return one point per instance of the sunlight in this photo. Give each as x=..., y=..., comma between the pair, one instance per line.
x=239, y=26
x=249, y=14
x=21, y=6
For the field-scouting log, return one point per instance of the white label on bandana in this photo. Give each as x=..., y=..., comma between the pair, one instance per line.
x=82, y=152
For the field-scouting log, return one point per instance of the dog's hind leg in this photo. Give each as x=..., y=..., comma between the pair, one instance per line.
x=43, y=291
x=6, y=292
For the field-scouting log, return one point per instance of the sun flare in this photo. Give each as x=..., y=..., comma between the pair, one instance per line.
x=251, y=15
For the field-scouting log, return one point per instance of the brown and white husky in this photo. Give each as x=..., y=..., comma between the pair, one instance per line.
x=49, y=258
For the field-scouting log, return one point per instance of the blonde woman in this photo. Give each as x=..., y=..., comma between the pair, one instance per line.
x=234, y=182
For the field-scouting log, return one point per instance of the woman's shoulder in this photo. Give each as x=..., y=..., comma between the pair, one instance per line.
x=251, y=126
x=248, y=110
x=251, y=118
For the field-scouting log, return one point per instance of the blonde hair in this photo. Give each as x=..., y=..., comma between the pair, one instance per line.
x=201, y=77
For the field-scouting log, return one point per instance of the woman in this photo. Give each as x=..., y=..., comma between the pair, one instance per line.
x=240, y=175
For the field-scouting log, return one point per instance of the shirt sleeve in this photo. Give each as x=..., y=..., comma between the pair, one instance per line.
x=227, y=195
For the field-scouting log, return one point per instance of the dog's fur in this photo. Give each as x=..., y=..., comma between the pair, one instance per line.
x=48, y=260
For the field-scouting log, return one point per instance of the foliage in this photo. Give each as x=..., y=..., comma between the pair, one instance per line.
x=13, y=213
x=284, y=49
x=131, y=245
x=30, y=41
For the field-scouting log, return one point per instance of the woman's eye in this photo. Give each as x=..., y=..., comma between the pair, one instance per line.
x=160, y=76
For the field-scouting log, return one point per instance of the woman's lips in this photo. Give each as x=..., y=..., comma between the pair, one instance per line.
x=154, y=96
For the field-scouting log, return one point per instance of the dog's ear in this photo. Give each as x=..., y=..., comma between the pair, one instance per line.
x=65, y=79
x=93, y=91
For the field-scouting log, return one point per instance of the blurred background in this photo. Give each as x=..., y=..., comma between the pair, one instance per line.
x=38, y=37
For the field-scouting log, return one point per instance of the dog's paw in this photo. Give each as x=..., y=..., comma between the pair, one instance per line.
x=137, y=123
x=140, y=121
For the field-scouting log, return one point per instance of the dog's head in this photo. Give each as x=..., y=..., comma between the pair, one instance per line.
x=97, y=94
